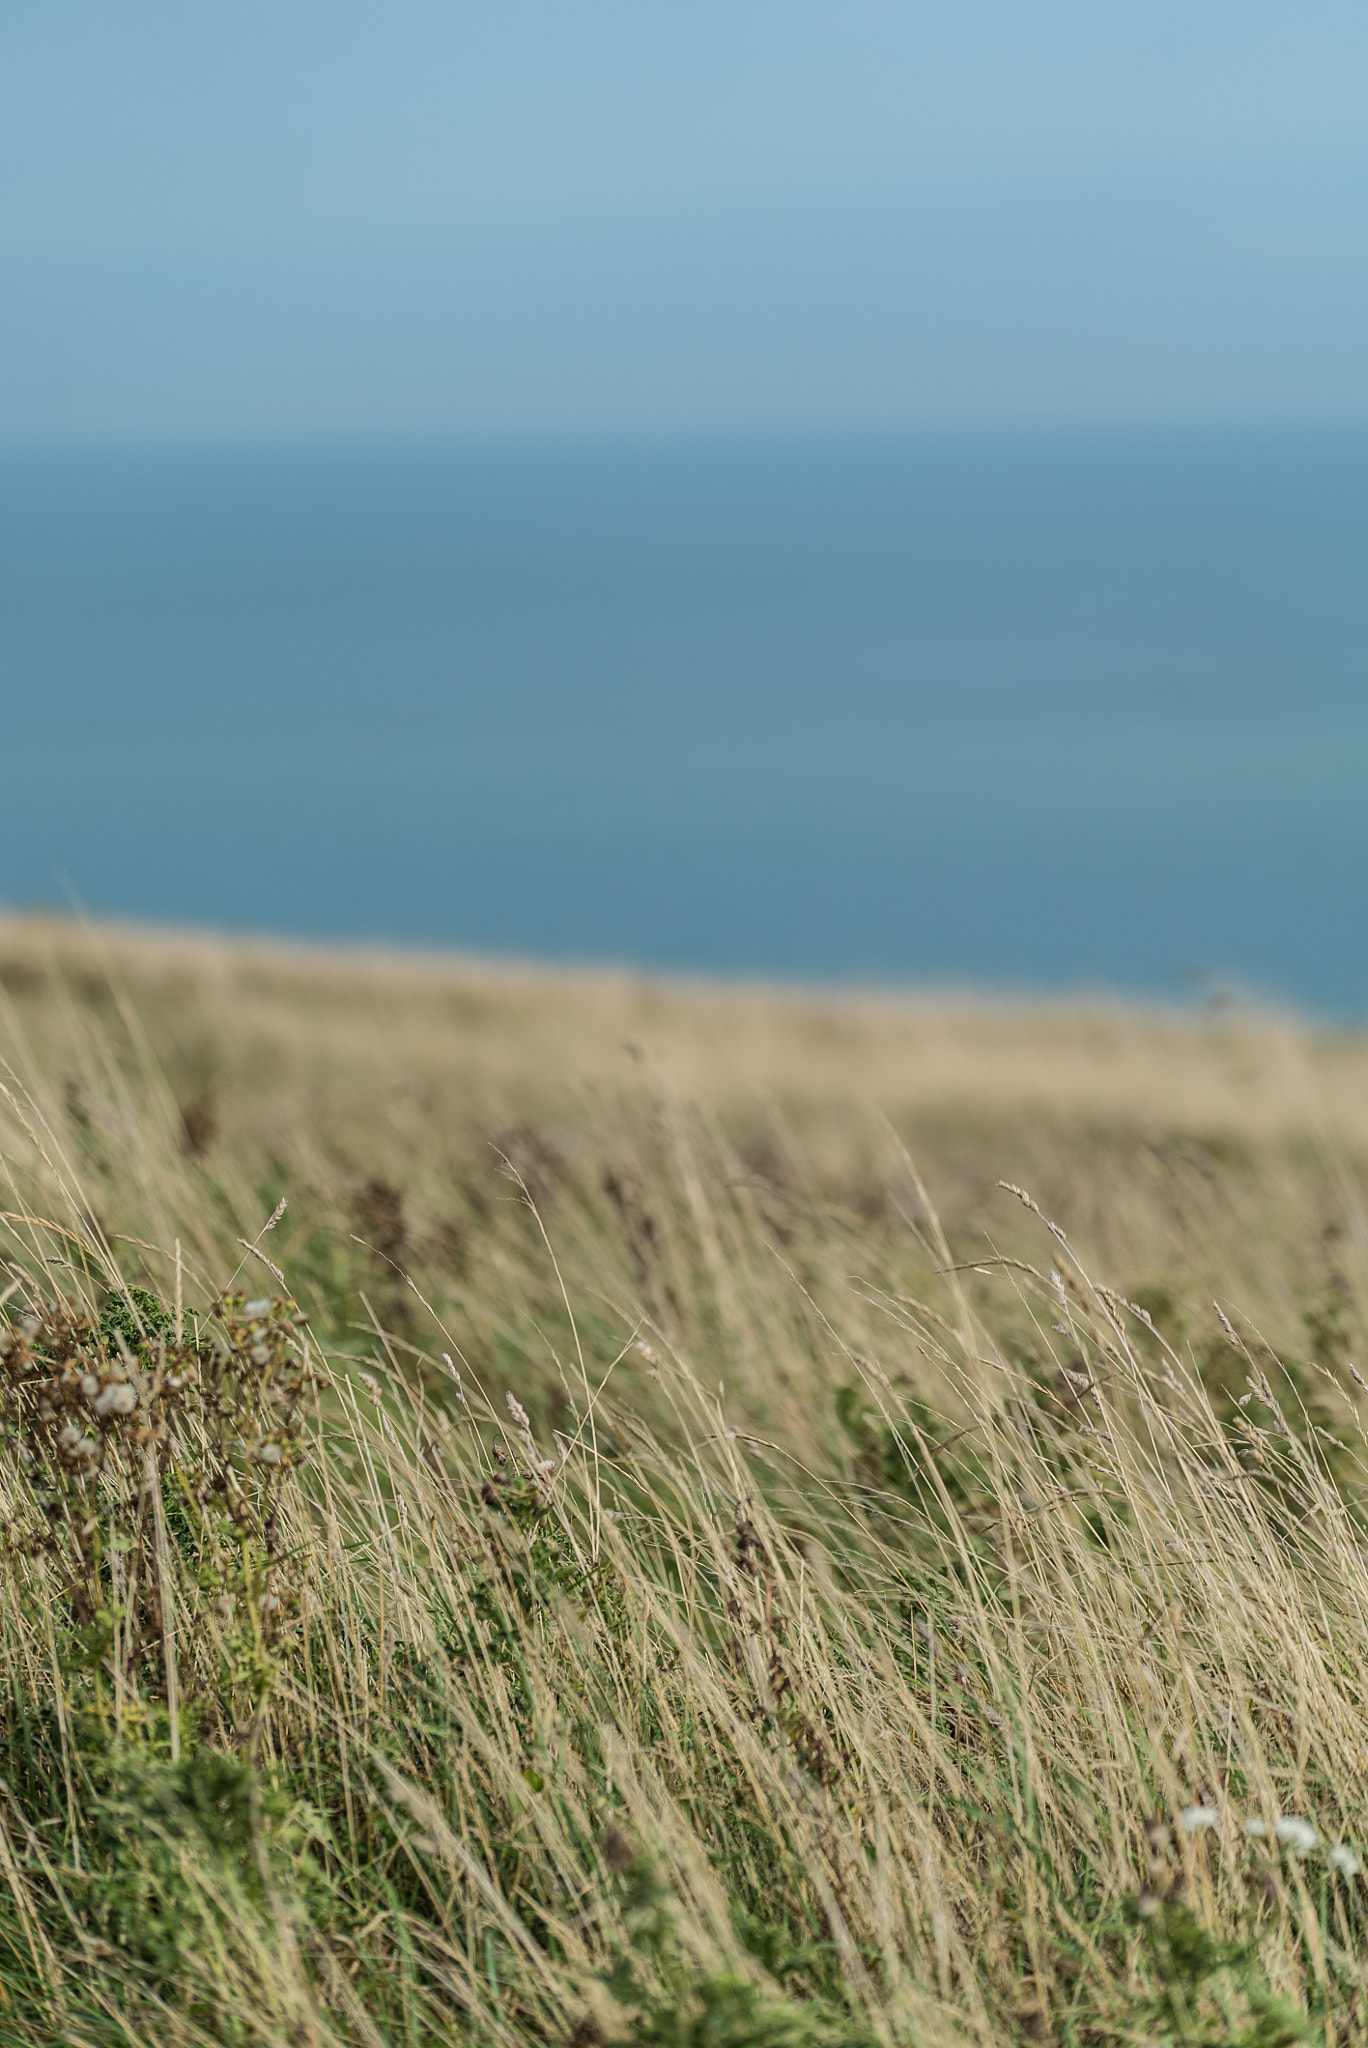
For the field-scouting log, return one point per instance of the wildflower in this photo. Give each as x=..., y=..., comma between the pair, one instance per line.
x=257, y=1308
x=79, y=1448
x=1298, y=1837
x=1195, y=1820
x=1344, y=1859
x=118, y=1398
x=90, y=1386
x=268, y=1453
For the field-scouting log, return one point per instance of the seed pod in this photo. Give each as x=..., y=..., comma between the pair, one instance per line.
x=119, y=1398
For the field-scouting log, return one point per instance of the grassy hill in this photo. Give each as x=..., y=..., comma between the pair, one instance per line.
x=651, y=1541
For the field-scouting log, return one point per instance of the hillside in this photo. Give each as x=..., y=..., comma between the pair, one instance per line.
x=652, y=1541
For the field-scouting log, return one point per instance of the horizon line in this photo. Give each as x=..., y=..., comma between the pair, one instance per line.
x=435, y=440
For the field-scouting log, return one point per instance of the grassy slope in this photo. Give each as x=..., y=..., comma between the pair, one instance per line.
x=828, y=1654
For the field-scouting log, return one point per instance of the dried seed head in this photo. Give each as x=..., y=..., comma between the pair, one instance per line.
x=118, y=1398
x=1232, y=1333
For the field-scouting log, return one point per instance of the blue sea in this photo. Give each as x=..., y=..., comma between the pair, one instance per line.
x=1044, y=712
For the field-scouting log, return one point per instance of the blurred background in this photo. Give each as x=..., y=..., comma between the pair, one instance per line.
x=873, y=494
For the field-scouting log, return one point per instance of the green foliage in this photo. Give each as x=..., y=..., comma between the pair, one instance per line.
x=165, y=1843
x=673, y=2005
x=135, y=1316
x=732, y=2012
x=1211, y=1992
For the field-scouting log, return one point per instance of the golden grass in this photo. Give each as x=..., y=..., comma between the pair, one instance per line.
x=825, y=1641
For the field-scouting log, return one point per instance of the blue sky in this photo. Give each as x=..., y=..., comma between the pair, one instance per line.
x=283, y=218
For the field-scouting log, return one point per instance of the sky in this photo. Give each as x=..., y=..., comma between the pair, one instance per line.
x=320, y=219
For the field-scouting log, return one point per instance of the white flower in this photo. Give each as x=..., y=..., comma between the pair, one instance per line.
x=268, y=1454
x=118, y=1398
x=1194, y=1820
x=256, y=1308
x=1298, y=1837
x=1343, y=1859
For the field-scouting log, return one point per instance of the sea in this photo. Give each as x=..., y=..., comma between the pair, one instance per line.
x=1043, y=712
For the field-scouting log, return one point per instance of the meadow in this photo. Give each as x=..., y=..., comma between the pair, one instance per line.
x=561, y=1508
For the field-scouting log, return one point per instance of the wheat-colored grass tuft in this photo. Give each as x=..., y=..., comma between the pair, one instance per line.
x=510, y=1541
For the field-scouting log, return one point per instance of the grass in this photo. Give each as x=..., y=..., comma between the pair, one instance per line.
x=652, y=1543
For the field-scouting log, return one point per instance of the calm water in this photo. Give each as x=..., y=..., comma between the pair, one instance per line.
x=1041, y=712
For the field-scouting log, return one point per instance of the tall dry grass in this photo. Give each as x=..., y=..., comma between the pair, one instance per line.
x=712, y=1566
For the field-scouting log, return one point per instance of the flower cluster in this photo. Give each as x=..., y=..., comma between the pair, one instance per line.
x=140, y=1444
x=76, y=1398
x=1297, y=1836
